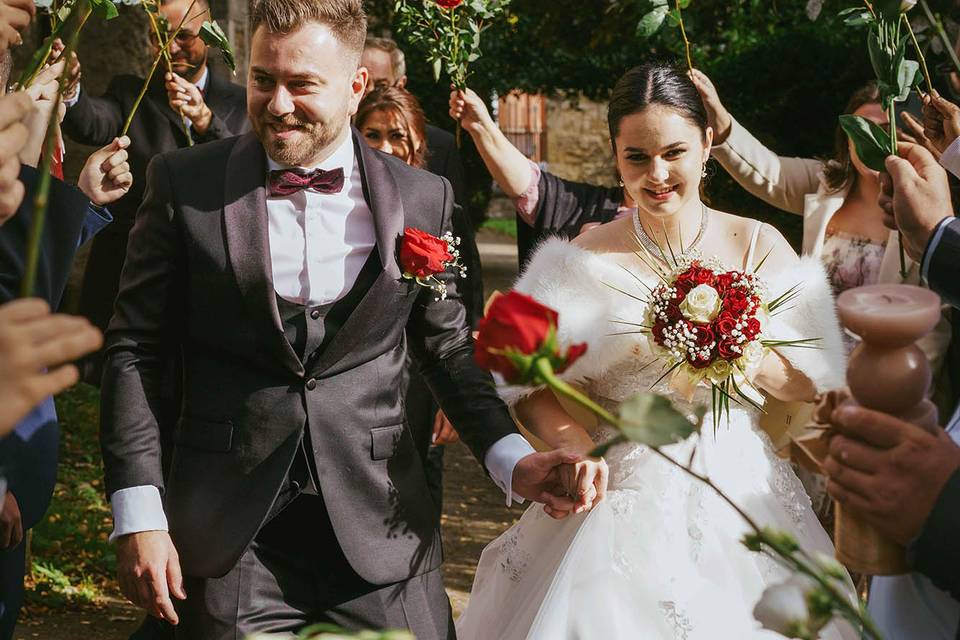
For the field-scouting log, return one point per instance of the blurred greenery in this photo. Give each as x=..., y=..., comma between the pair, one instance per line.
x=506, y=226
x=71, y=558
x=783, y=76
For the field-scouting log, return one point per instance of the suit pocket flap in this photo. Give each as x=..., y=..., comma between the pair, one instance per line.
x=204, y=434
x=384, y=441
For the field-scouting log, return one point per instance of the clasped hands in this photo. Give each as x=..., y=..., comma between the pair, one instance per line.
x=565, y=482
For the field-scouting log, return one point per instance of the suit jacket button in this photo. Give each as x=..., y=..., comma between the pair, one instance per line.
x=315, y=314
x=311, y=384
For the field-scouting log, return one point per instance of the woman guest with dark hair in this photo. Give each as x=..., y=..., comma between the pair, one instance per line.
x=546, y=204
x=390, y=119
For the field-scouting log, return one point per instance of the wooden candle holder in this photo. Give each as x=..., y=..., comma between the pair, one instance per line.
x=887, y=372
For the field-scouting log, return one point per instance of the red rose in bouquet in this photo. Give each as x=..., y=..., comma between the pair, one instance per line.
x=728, y=349
x=516, y=331
x=735, y=301
x=724, y=280
x=423, y=255
x=726, y=323
x=702, y=275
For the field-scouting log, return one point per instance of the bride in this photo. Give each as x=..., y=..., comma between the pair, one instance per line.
x=660, y=556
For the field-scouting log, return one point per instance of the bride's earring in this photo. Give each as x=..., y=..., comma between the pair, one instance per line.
x=620, y=181
x=703, y=174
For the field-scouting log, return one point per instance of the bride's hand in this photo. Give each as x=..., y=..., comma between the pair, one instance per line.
x=586, y=483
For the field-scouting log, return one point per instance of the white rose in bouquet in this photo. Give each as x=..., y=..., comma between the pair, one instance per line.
x=702, y=304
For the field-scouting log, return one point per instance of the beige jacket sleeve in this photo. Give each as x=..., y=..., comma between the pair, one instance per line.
x=777, y=180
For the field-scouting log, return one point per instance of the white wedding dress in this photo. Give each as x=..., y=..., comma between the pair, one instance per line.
x=661, y=557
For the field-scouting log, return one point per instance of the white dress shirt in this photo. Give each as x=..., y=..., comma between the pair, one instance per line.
x=318, y=245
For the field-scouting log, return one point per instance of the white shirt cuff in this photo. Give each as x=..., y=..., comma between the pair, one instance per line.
x=137, y=509
x=950, y=158
x=502, y=458
x=72, y=101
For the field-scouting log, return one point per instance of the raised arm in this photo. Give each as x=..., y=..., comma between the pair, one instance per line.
x=96, y=121
x=777, y=180
x=509, y=168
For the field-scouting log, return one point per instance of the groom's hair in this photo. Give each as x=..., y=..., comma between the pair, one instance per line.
x=346, y=19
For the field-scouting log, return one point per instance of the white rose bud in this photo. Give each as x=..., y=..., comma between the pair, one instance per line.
x=906, y=5
x=783, y=608
x=702, y=304
x=719, y=370
x=753, y=353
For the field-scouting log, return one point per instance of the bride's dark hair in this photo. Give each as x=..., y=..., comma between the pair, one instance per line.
x=654, y=83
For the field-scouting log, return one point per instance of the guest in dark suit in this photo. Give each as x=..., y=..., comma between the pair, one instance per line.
x=387, y=68
x=214, y=107
x=904, y=480
x=28, y=456
x=295, y=494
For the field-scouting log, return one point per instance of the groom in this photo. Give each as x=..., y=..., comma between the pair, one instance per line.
x=295, y=494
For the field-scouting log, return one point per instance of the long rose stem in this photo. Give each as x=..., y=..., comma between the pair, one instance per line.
x=169, y=62
x=41, y=197
x=916, y=46
x=683, y=32
x=156, y=62
x=546, y=373
x=937, y=26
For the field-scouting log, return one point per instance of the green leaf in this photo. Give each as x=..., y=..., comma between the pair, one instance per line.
x=871, y=142
x=674, y=16
x=651, y=23
x=651, y=419
x=104, y=8
x=684, y=4
x=855, y=16
x=213, y=36
x=907, y=78
x=437, y=68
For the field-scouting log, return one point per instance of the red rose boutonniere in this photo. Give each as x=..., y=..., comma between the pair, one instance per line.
x=423, y=257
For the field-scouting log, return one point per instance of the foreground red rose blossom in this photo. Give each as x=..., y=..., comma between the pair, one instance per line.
x=449, y=4
x=515, y=332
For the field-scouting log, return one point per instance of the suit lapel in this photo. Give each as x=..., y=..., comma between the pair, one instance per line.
x=248, y=242
x=382, y=194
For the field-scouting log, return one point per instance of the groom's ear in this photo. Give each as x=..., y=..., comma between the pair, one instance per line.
x=358, y=85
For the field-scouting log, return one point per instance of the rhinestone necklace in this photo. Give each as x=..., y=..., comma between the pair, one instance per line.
x=656, y=250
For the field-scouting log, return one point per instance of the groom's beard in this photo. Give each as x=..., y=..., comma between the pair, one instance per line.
x=306, y=145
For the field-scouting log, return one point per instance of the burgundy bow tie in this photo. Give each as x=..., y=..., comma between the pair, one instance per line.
x=284, y=182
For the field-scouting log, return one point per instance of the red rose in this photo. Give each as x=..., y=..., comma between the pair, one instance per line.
x=515, y=331
x=724, y=280
x=726, y=349
x=673, y=312
x=752, y=329
x=449, y=4
x=423, y=255
x=726, y=323
x=735, y=301
x=686, y=280
x=658, y=329
x=703, y=276
x=705, y=335
x=698, y=362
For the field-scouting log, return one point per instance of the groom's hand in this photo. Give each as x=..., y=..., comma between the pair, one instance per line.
x=149, y=571
x=537, y=477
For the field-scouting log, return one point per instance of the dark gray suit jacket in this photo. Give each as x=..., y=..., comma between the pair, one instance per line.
x=935, y=552
x=198, y=281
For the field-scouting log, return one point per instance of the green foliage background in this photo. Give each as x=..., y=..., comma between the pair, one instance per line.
x=783, y=76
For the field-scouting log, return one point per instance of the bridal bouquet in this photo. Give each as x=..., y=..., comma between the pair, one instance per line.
x=707, y=326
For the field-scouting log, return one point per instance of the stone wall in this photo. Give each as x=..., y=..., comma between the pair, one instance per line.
x=578, y=146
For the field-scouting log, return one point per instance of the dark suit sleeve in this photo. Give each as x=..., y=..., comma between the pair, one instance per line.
x=441, y=342
x=472, y=289
x=563, y=207
x=67, y=212
x=95, y=121
x=944, y=264
x=138, y=338
x=935, y=552
x=217, y=130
